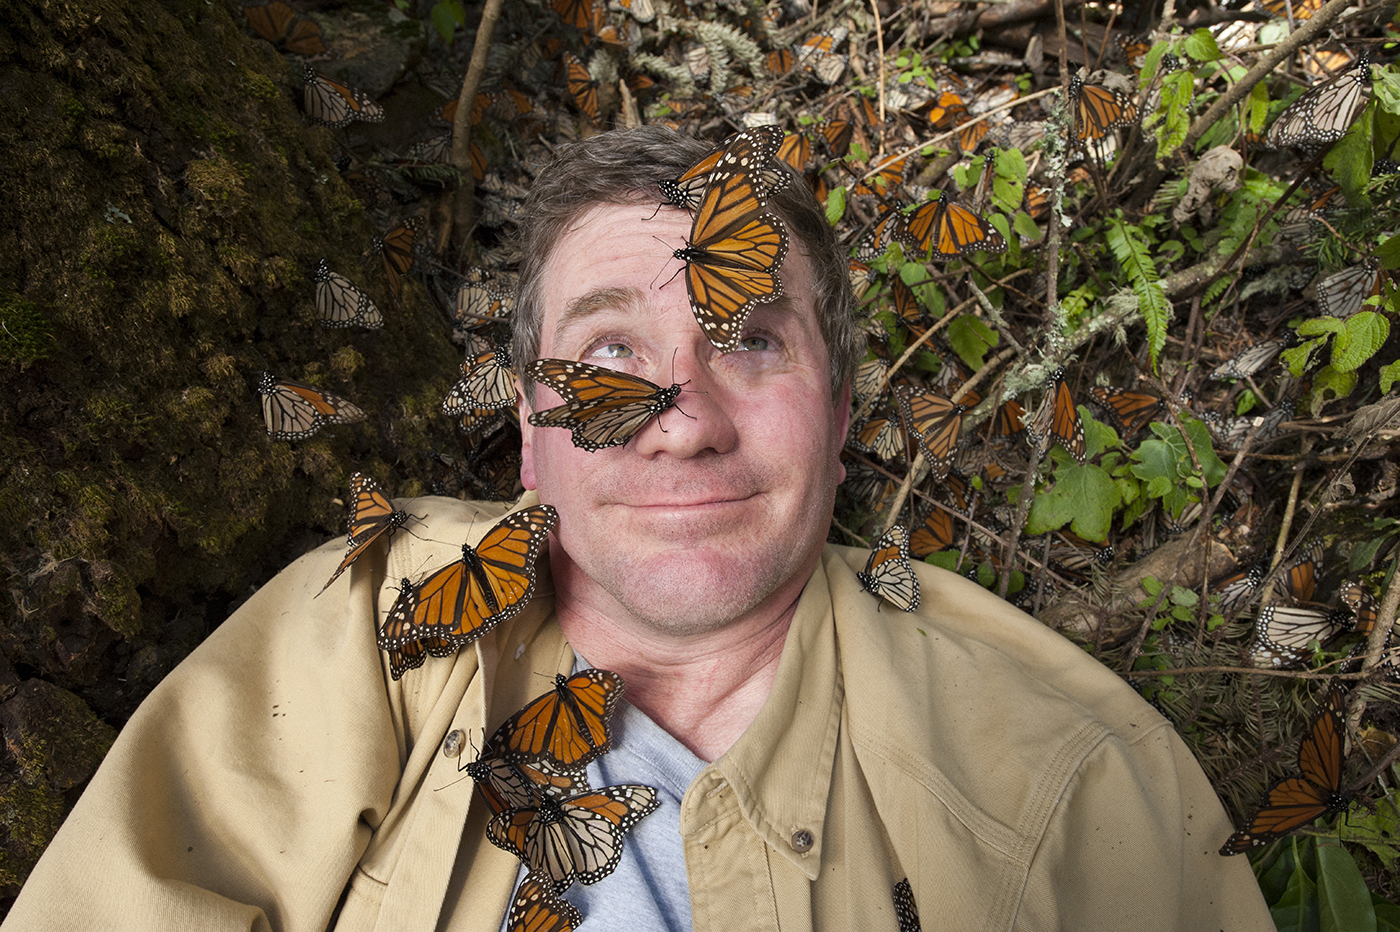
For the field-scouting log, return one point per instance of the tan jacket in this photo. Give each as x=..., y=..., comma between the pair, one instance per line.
x=278, y=779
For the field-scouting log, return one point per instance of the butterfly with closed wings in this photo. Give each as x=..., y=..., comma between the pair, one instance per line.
x=293, y=411
x=492, y=582
x=735, y=247
x=487, y=383
x=340, y=303
x=888, y=574
x=396, y=247
x=371, y=516
x=1058, y=419
x=1325, y=112
x=327, y=102
x=1317, y=788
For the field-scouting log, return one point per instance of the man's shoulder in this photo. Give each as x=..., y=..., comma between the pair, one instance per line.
x=968, y=687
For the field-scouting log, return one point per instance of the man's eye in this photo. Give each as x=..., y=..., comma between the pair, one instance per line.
x=613, y=351
x=754, y=343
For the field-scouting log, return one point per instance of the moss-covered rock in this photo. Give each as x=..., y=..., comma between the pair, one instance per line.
x=161, y=211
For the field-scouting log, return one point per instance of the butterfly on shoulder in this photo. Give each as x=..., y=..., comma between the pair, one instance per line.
x=327, y=102
x=293, y=411
x=905, y=909
x=487, y=383
x=575, y=838
x=340, y=303
x=735, y=248
x=411, y=654
x=602, y=407
x=755, y=150
x=1315, y=791
x=888, y=573
x=491, y=582
x=1058, y=419
x=565, y=728
x=371, y=515
x=512, y=783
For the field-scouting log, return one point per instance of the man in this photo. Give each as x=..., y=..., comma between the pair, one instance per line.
x=811, y=749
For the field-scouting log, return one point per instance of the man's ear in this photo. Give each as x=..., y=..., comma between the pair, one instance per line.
x=842, y=416
x=527, y=437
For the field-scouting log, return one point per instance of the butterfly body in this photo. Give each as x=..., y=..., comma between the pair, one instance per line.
x=935, y=423
x=947, y=230
x=340, y=303
x=757, y=146
x=602, y=407
x=567, y=727
x=396, y=249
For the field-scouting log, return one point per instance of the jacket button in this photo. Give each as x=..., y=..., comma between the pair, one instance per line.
x=452, y=744
x=802, y=841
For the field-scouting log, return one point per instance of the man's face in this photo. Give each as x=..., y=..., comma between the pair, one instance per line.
x=703, y=517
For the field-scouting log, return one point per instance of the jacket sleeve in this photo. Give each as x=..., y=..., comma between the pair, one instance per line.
x=244, y=789
x=1133, y=844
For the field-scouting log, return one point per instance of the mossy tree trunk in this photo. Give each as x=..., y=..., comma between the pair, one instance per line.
x=162, y=207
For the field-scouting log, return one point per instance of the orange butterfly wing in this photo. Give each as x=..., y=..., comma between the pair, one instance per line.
x=935, y=423
x=537, y=908
x=372, y=515
x=888, y=574
x=1059, y=419
x=566, y=727
x=603, y=407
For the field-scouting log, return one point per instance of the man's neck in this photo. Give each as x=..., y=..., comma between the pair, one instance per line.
x=704, y=690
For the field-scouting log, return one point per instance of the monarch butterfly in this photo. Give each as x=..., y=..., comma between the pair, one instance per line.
x=734, y=250
x=1325, y=111
x=865, y=485
x=1058, y=419
x=278, y=23
x=339, y=303
x=576, y=13
x=818, y=54
x=1128, y=412
x=836, y=137
x=330, y=103
x=779, y=62
x=1315, y=791
x=537, y=908
x=477, y=304
x=1009, y=420
x=1237, y=589
x=870, y=378
x=1364, y=608
x=756, y=147
x=888, y=228
x=868, y=110
x=396, y=249
x=970, y=136
x=907, y=307
x=371, y=517
x=579, y=837
x=293, y=411
x=888, y=574
x=1252, y=358
x=880, y=435
x=950, y=230
x=603, y=407
x=933, y=534
x=490, y=583
x=1300, y=580
x=1231, y=434
x=1282, y=634
x=862, y=276
x=795, y=150
x=1073, y=553
x=1345, y=293
x=935, y=423
x=487, y=383
x=566, y=727
x=508, y=784
x=435, y=151
x=582, y=87
x=413, y=654
x=1037, y=200
x=905, y=909
x=1098, y=111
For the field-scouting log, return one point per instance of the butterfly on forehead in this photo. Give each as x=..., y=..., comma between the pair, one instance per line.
x=756, y=148
x=735, y=247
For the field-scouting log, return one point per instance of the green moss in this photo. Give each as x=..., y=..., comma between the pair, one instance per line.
x=26, y=335
x=217, y=182
x=31, y=816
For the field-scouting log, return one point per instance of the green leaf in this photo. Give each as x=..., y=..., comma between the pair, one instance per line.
x=970, y=338
x=1343, y=900
x=1328, y=379
x=1389, y=253
x=1201, y=46
x=1389, y=375
x=1360, y=339
x=1351, y=158
x=1258, y=108
x=1175, y=108
x=446, y=16
x=1130, y=247
x=1298, y=358
x=1083, y=497
x=1296, y=910
x=1317, y=325
x=835, y=205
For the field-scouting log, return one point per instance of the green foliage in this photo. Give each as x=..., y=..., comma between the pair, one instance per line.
x=1163, y=465
x=1354, y=341
x=971, y=338
x=1130, y=247
x=26, y=335
x=447, y=15
x=1084, y=497
x=1174, y=111
x=1313, y=883
x=1351, y=158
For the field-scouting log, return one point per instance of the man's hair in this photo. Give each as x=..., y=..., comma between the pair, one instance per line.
x=623, y=167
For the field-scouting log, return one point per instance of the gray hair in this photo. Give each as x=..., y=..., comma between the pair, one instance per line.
x=623, y=167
